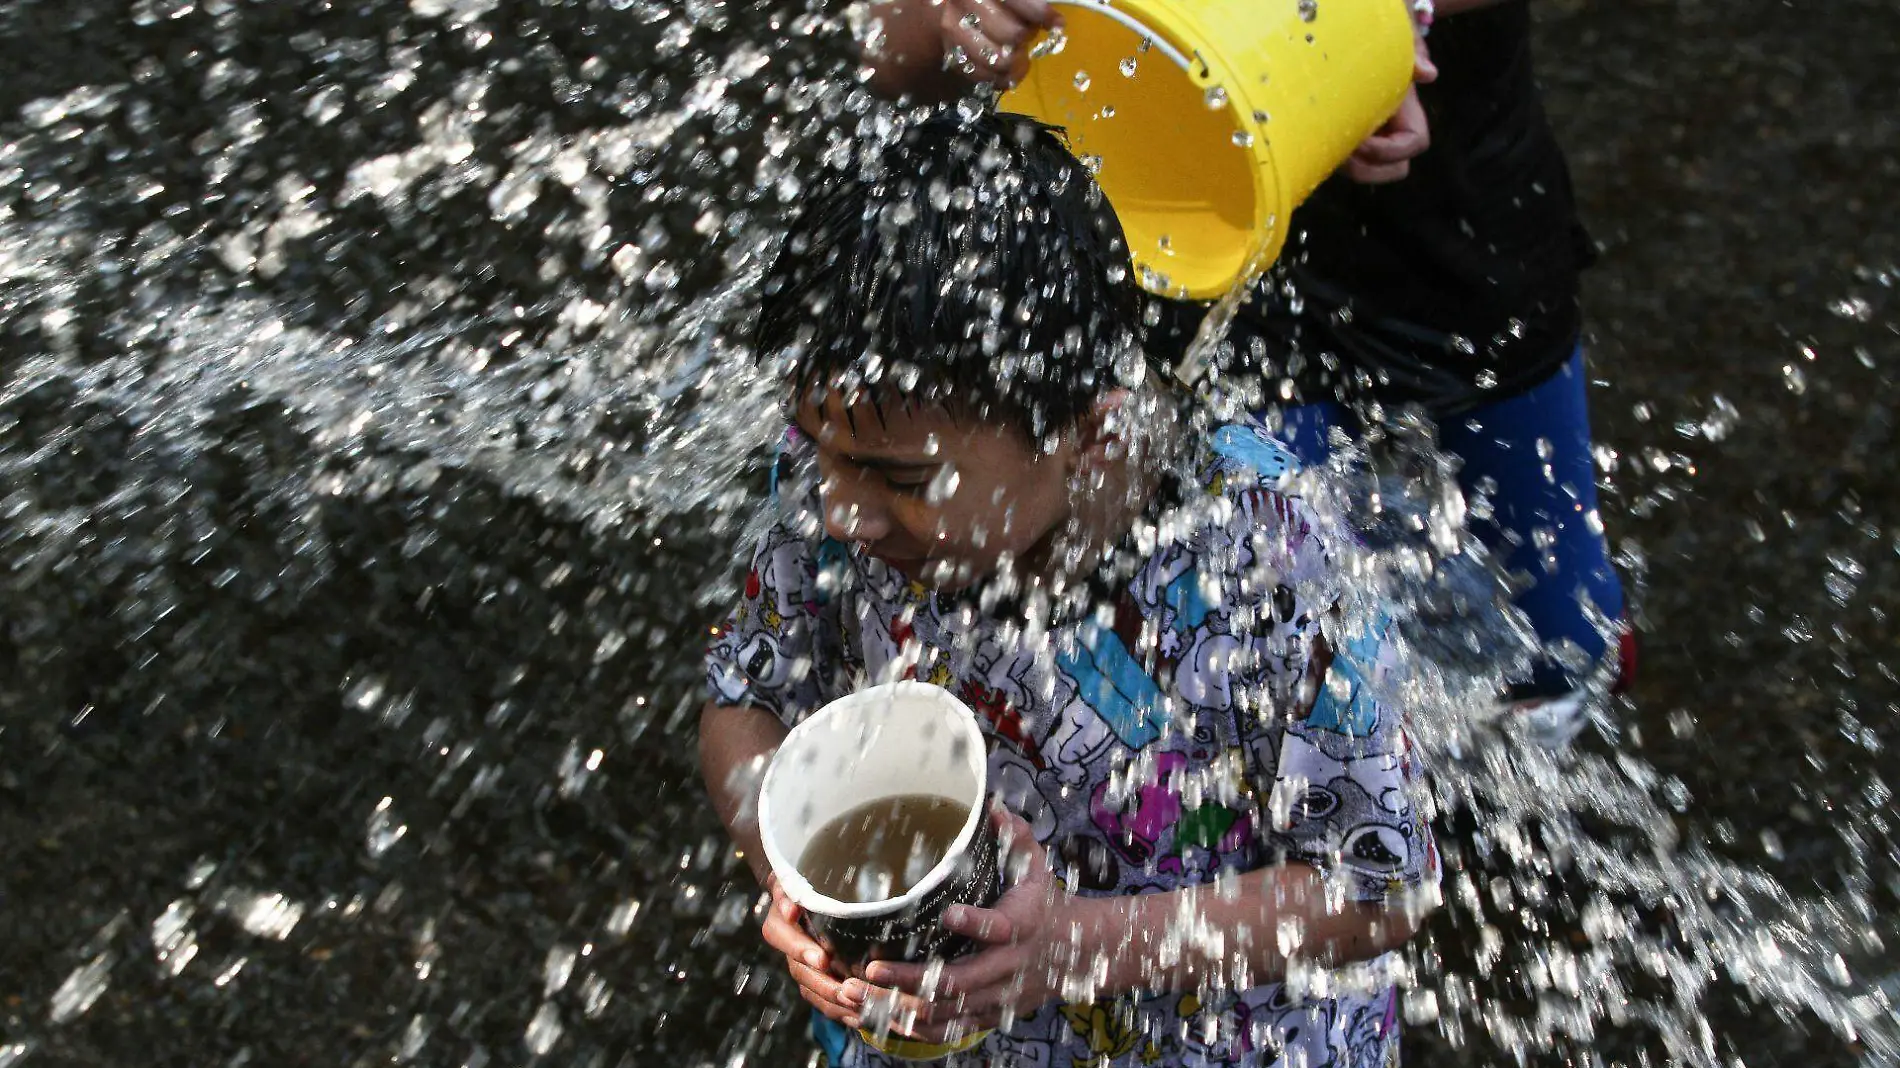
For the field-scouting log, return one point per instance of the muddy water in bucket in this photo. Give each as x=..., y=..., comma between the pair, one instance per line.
x=882, y=847
x=1209, y=122
x=873, y=818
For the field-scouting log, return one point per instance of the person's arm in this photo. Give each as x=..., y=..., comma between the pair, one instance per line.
x=763, y=671
x=1039, y=941
x=734, y=746
x=988, y=40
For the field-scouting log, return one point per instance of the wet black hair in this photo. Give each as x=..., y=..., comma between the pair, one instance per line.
x=972, y=264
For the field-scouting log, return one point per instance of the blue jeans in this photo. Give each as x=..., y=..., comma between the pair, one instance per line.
x=1557, y=496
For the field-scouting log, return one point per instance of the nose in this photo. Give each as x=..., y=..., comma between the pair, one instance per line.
x=854, y=511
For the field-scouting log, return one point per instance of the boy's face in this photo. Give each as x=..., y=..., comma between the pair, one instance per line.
x=938, y=498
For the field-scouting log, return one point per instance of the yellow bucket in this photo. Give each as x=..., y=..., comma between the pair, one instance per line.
x=1208, y=121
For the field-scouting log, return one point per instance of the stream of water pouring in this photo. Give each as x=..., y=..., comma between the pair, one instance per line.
x=474, y=253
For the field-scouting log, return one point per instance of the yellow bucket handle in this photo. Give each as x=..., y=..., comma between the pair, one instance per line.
x=1102, y=7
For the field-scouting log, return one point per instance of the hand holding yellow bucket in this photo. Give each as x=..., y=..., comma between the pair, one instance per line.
x=1208, y=121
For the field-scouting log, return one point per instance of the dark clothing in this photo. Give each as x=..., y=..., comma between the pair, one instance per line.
x=1458, y=285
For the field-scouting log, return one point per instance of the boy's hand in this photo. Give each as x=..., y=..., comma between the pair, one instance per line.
x=987, y=40
x=1026, y=949
x=1387, y=155
x=810, y=965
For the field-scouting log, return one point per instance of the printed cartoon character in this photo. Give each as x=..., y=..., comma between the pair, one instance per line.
x=1087, y=863
x=1356, y=806
x=1370, y=1027
x=1015, y=784
x=1380, y=776
x=1252, y=449
x=1116, y=701
x=1347, y=701
x=1136, y=830
x=1220, y=1032
x=1109, y=1030
x=1000, y=713
x=1208, y=679
x=904, y=645
x=1300, y=1036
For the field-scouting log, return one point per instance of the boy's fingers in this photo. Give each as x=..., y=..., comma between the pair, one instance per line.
x=786, y=936
x=1034, y=12
x=996, y=22
x=987, y=926
x=908, y=978
x=822, y=990
x=973, y=977
x=983, y=59
x=902, y=1009
x=980, y=979
x=830, y=1010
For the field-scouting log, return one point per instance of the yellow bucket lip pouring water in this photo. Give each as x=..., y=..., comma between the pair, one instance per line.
x=1204, y=185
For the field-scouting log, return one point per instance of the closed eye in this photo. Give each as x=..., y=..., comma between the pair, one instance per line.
x=910, y=480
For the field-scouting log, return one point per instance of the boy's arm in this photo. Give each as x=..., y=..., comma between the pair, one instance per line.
x=1269, y=917
x=735, y=743
x=1037, y=940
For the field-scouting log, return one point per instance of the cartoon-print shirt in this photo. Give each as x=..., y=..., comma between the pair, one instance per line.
x=1192, y=724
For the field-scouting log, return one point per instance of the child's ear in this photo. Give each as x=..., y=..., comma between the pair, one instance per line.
x=1101, y=431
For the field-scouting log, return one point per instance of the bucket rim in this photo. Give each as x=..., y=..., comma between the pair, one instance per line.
x=795, y=885
x=1192, y=47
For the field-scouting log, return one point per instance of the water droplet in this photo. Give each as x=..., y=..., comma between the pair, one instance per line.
x=1127, y=66
x=271, y=916
x=384, y=830
x=1243, y=139
x=174, y=942
x=1309, y=10
x=511, y=197
x=1290, y=935
x=1215, y=98
x=620, y=920
x=1722, y=420
x=544, y=1030
x=943, y=485
x=1082, y=81
x=1794, y=378
x=81, y=989
x=557, y=969
x=1857, y=309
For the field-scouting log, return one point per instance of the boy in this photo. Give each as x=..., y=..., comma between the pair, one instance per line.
x=988, y=490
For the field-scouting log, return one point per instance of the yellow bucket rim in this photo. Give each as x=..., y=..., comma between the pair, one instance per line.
x=1206, y=66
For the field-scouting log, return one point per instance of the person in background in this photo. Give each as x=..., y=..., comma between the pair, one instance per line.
x=1438, y=269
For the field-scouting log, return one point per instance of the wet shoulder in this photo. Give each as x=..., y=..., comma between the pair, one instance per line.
x=1243, y=457
x=1251, y=513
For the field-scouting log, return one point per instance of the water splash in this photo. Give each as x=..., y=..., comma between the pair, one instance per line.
x=396, y=300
